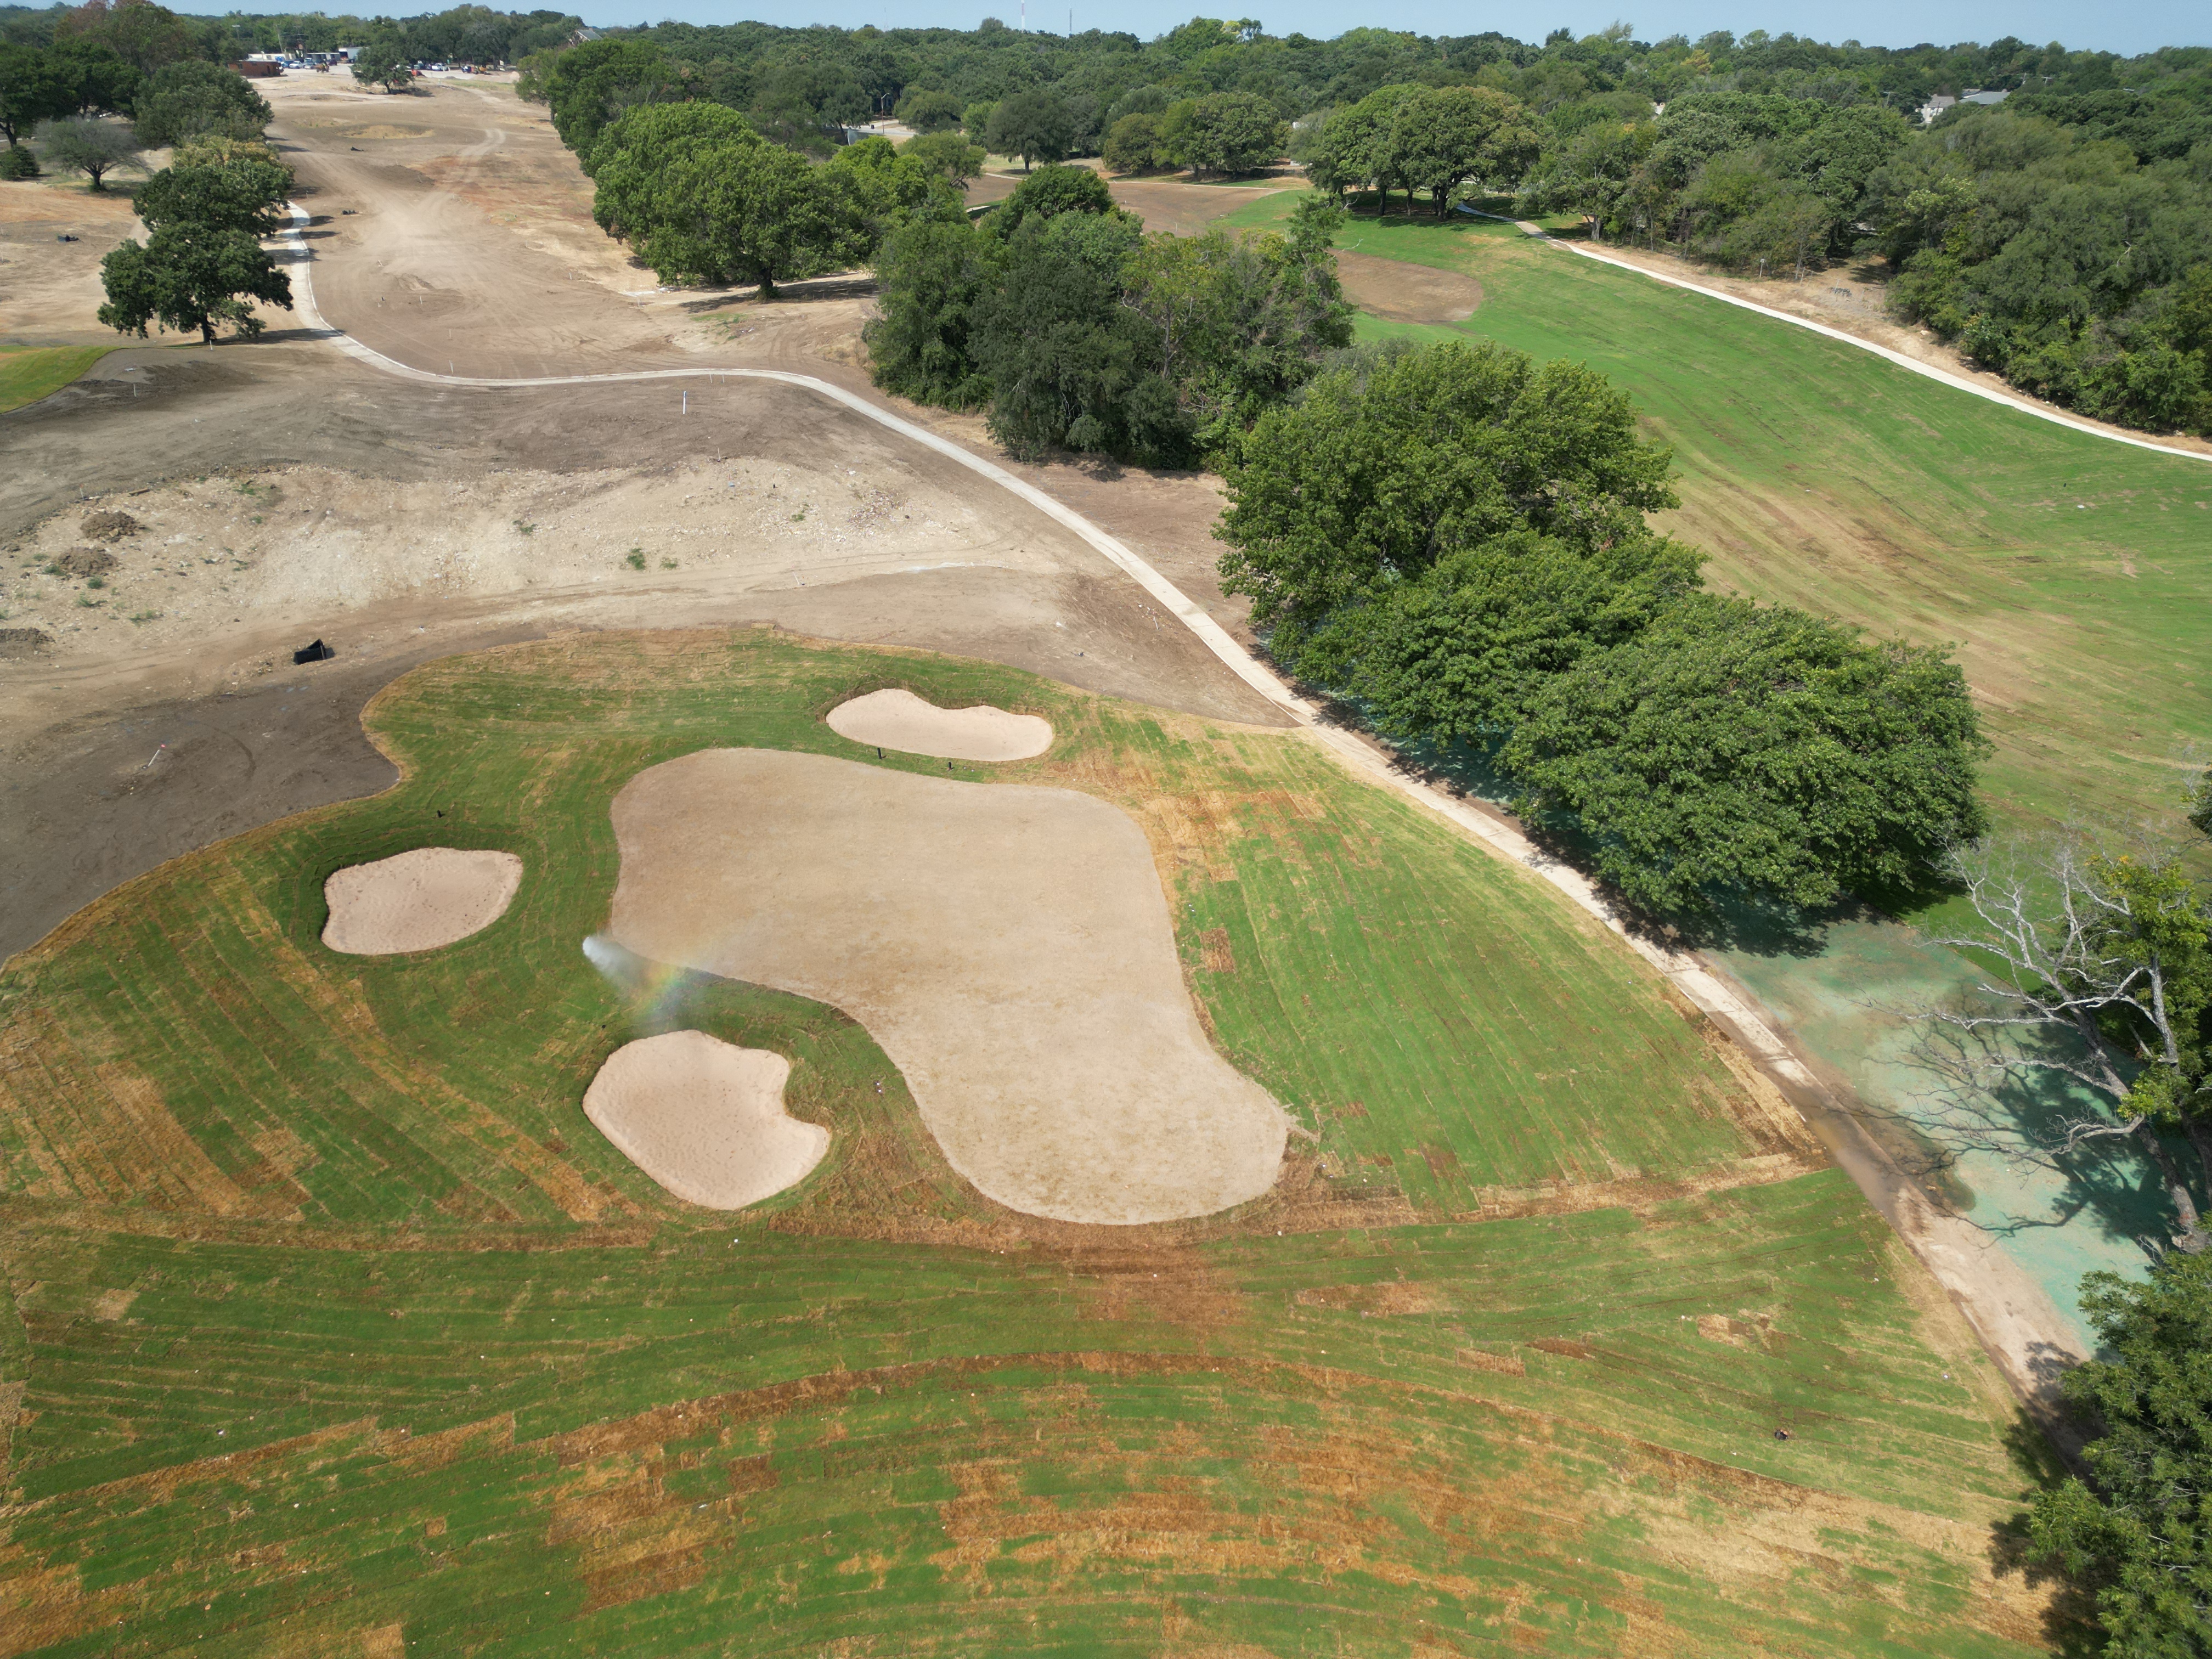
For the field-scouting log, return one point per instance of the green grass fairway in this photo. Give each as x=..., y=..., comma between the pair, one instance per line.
x=30, y=373
x=2074, y=574
x=336, y=1328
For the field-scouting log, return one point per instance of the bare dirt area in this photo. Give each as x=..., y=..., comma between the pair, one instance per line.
x=897, y=718
x=1008, y=946
x=53, y=234
x=1401, y=293
x=704, y=1118
x=418, y=900
x=379, y=478
x=451, y=231
x=1167, y=204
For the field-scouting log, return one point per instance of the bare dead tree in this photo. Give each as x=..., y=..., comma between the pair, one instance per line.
x=2096, y=972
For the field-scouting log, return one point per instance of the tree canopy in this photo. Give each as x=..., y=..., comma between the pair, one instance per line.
x=185, y=100
x=80, y=143
x=382, y=63
x=243, y=193
x=1079, y=331
x=189, y=279
x=1455, y=535
x=704, y=198
x=2138, y=1534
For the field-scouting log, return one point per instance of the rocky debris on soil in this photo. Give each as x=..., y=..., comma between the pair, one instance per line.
x=84, y=562
x=23, y=641
x=110, y=526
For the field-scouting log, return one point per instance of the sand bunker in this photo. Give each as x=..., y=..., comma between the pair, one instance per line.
x=704, y=1118
x=417, y=901
x=900, y=720
x=1008, y=946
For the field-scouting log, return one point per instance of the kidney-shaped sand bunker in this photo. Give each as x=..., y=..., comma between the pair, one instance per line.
x=899, y=719
x=417, y=901
x=704, y=1118
x=1008, y=946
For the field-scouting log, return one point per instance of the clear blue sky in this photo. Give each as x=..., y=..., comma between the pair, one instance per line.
x=2133, y=27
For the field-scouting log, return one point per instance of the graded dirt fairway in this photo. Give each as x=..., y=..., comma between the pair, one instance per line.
x=2073, y=574
x=334, y=1326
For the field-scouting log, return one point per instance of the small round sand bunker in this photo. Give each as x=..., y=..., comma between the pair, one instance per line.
x=900, y=720
x=418, y=900
x=704, y=1118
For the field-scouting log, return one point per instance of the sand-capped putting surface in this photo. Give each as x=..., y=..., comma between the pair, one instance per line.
x=899, y=719
x=417, y=901
x=704, y=1118
x=1009, y=947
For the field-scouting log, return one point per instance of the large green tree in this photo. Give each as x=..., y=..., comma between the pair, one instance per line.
x=2138, y=1533
x=1037, y=126
x=591, y=85
x=704, y=198
x=185, y=101
x=1734, y=748
x=1456, y=536
x=928, y=112
x=146, y=36
x=1444, y=135
x=1230, y=132
x=78, y=143
x=243, y=194
x=188, y=277
x=99, y=81
x=32, y=89
x=946, y=154
x=1382, y=469
x=384, y=64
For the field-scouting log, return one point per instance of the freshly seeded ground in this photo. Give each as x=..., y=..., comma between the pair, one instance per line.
x=335, y=1329
x=2073, y=574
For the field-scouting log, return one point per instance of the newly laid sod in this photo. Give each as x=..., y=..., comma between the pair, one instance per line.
x=335, y=1328
x=30, y=373
x=2073, y=574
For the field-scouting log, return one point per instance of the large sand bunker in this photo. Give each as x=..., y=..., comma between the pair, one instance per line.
x=1008, y=946
x=900, y=719
x=704, y=1118
x=417, y=901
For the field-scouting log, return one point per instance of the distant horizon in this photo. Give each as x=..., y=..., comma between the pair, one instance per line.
x=2130, y=32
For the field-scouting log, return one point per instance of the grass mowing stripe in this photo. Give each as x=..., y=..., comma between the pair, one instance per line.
x=875, y=1412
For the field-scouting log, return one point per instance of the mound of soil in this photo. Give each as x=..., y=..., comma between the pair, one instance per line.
x=84, y=562
x=1401, y=293
x=110, y=526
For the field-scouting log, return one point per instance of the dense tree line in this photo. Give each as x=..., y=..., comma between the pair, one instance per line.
x=1077, y=330
x=149, y=35
x=2078, y=268
x=1455, y=537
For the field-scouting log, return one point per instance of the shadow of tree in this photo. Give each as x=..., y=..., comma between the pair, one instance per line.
x=2025, y=1117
